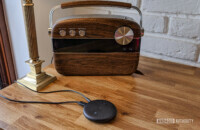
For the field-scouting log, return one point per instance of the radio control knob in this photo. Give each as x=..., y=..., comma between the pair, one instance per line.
x=82, y=33
x=72, y=33
x=124, y=35
x=62, y=33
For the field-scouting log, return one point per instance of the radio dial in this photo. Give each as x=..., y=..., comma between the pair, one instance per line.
x=72, y=33
x=63, y=33
x=124, y=35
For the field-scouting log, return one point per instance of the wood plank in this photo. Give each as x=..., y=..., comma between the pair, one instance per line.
x=163, y=92
x=30, y=124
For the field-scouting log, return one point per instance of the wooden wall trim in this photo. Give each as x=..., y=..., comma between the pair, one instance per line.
x=7, y=68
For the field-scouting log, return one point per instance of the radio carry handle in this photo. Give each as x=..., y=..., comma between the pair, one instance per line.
x=92, y=3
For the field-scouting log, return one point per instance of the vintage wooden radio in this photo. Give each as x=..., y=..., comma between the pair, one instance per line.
x=96, y=44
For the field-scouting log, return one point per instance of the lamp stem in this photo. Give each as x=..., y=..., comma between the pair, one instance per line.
x=36, y=79
x=29, y=18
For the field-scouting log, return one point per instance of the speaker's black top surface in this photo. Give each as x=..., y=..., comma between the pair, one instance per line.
x=100, y=111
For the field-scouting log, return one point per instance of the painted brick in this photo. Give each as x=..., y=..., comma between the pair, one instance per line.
x=156, y=24
x=105, y=10
x=136, y=2
x=170, y=47
x=80, y=11
x=151, y=23
x=189, y=28
x=171, y=59
x=172, y=6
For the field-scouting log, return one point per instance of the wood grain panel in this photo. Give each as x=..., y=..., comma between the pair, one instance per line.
x=168, y=90
x=95, y=27
x=96, y=63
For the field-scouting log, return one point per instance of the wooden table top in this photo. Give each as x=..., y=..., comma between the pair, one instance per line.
x=168, y=92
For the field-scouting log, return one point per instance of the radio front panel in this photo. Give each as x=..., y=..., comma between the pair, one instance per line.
x=96, y=46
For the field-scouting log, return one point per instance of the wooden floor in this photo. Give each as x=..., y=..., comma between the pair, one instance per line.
x=168, y=92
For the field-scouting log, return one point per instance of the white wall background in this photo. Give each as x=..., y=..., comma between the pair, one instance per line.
x=16, y=29
x=172, y=29
x=14, y=13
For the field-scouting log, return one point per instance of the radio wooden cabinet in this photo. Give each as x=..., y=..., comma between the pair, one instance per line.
x=96, y=44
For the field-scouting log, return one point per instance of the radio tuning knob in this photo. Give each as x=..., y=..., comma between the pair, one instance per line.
x=63, y=33
x=124, y=35
x=72, y=32
x=82, y=33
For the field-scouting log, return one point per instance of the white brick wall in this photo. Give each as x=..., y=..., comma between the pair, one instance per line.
x=182, y=27
x=172, y=6
x=172, y=28
x=170, y=47
x=157, y=24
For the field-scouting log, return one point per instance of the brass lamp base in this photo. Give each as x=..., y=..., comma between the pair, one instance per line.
x=30, y=83
x=36, y=80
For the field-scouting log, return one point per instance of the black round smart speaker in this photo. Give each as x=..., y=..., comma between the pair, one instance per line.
x=100, y=111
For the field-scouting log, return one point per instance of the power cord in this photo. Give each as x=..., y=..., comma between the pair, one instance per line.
x=139, y=72
x=52, y=59
x=58, y=91
x=39, y=102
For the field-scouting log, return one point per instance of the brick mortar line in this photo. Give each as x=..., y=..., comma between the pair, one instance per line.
x=172, y=59
x=191, y=16
x=196, y=42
